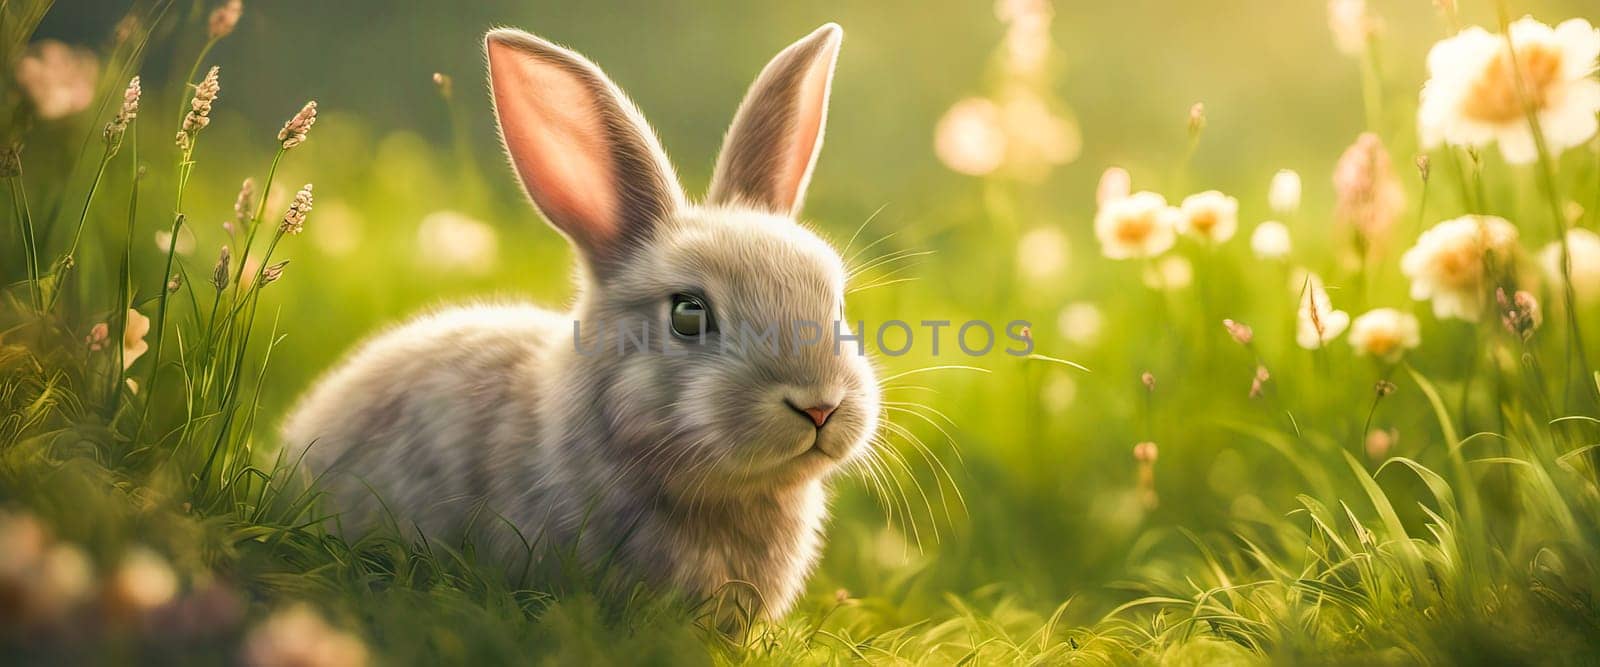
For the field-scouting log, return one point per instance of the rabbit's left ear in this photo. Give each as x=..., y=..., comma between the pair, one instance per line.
x=772, y=146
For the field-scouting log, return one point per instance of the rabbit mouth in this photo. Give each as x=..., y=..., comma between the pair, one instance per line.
x=816, y=448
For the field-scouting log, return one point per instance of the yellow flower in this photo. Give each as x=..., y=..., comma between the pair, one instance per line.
x=1475, y=95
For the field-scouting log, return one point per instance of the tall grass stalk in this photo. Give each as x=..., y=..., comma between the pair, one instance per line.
x=30, y=244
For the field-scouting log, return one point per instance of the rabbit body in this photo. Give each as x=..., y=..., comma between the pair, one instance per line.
x=438, y=423
x=687, y=463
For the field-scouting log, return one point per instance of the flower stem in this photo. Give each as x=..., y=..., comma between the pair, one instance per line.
x=160, y=327
x=1372, y=87
x=83, y=217
x=255, y=222
x=1547, y=181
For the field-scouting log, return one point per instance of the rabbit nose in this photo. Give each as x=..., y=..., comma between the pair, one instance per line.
x=818, y=413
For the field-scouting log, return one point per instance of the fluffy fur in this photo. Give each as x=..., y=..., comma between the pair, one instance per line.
x=688, y=470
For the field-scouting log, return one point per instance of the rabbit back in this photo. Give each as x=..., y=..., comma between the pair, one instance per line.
x=432, y=421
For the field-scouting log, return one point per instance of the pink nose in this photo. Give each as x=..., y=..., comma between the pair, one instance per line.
x=819, y=414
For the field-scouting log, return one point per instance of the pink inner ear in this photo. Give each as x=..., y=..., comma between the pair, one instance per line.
x=556, y=135
x=810, y=108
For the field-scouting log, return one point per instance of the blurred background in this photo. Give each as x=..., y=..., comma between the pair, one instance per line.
x=1035, y=492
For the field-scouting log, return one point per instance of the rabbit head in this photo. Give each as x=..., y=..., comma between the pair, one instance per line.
x=692, y=407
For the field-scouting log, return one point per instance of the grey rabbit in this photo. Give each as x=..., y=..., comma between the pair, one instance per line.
x=688, y=468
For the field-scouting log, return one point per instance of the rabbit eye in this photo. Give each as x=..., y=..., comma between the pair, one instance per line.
x=690, y=317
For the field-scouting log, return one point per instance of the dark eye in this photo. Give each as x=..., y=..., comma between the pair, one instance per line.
x=690, y=317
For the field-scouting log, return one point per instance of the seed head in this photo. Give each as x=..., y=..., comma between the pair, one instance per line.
x=272, y=273
x=1241, y=332
x=1424, y=167
x=199, y=115
x=295, y=219
x=242, y=205
x=224, y=18
x=174, y=283
x=1519, y=313
x=1384, y=388
x=444, y=83
x=130, y=110
x=1146, y=453
x=1148, y=379
x=11, y=161
x=294, y=131
x=98, y=334
x=219, y=274
x=1369, y=196
x=1197, y=118
x=1258, y=384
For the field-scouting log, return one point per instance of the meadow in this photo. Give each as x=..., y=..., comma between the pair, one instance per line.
x=1314, y=291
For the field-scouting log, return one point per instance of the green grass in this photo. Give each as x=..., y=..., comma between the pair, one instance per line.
x=1009, y=524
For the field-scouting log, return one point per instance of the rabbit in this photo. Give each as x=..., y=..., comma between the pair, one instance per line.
x=692, y=467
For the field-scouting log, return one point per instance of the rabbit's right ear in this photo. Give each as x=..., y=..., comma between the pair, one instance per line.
x=584, y=153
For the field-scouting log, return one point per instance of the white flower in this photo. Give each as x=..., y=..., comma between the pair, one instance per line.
x=185, y=245
x=1352, y=26
x=1081, y=322
x=1058, y=393
x=1472, y=95
x=1584, y=247
x=1448, y=262
x=970, y=138
x=1037, y=138
x=1139, y=225
x=133, y=344
x=451, y=240
x=1115, y=183
x=1210, y=215
x=1385, y=333
x=1042, y=253
x=338, y=228
x=298, y=636
x=1316, y=321
x=1284, y=193
x=1270, y=240
x=58, y=79
x=1171, y=272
